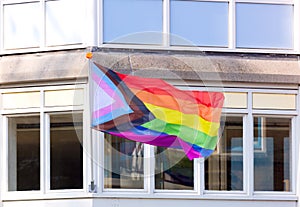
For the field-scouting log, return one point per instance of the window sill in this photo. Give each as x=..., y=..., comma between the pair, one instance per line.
x=148, y=47
x=21, y=196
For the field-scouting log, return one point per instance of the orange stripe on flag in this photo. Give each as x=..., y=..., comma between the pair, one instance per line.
x=184, y=106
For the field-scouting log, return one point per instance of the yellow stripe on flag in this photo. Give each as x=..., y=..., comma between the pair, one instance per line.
x=190, y=120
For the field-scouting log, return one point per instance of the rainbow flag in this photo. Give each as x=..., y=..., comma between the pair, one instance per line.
x=152, y=111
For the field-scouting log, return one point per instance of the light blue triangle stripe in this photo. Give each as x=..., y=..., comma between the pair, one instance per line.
x=110, y=116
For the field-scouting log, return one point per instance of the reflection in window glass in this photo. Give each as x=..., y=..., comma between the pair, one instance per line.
x=224, y=168
x=264, y=25
x=123, y=163
x=173, y=170
x=133, y=21
x=190, y=25
x=24, y=26
x=272, y=154
x=61, y=28
x=24, y=153
x=66, y=163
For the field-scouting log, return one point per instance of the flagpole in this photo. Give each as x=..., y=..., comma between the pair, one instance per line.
x=92, y=186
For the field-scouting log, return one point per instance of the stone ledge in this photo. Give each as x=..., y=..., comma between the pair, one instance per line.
x=72, y=64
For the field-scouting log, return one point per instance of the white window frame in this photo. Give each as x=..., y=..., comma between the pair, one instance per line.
x=292, y=155
x=231, y=30
x=208, y=193
x=44, y=113
x=93, y=26
x=199, y=191
x=87, y=37
x=93, y=165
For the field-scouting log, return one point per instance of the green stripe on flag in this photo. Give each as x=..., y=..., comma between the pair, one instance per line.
x=187, y=134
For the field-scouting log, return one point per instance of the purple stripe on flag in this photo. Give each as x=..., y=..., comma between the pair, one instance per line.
x=163, y=140
x=189, y=151
x=149, y=137
x=141, y=134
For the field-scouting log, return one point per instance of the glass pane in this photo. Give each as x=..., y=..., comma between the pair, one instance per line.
x=274, y=101
x=21, y=27
x=272, y=154
x=24, y=153
x=173, y=170
x=224, y=168
x=21, y=100
x=62, y=29
x=235, y=100
x=133, y=21
x=264, y=25
x=66, y=163
x=66, y=97
x=190, y=25
x=123, y=164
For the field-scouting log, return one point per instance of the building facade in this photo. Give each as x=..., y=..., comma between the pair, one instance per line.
x=248, y=49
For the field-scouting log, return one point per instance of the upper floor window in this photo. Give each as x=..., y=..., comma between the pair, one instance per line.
x=264, y=26
x=132, y=21
x=211, y=25
x=199, y=23
x=41, y=24
x=235, y=25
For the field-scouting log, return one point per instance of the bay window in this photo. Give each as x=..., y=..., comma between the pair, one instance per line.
x=259, y=118
x=44, y=143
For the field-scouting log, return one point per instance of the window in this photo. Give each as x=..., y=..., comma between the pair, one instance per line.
x=272, y=154
x=224, y=168
x=124, y=163
x=264, y=25
x=132, y=21
x=62, y=29
x=256, y=117
x=66, y=157
x=190, y=25
x=45, y=141
x=212, y=25
x=24, y=153
x=42, y=23
x=173, y=170
x=23, y=26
